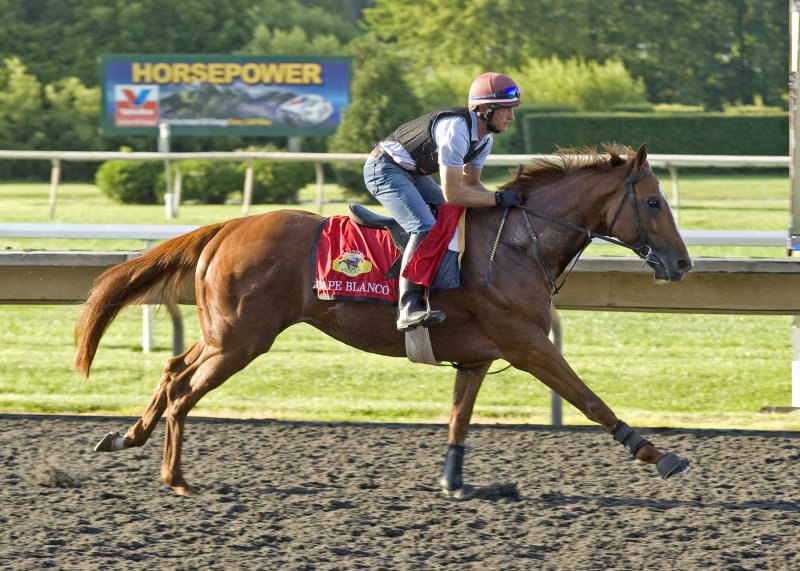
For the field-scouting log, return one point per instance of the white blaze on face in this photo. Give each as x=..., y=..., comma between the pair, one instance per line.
x=663, y=194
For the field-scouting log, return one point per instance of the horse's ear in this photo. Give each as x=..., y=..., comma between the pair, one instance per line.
x=640, y=159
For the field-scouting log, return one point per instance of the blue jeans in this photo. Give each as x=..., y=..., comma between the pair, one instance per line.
x=405, y=194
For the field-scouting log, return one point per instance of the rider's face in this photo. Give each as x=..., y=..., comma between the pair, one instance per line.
x=502, y=118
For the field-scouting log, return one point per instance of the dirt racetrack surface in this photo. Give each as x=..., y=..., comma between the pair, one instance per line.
x=294, y=495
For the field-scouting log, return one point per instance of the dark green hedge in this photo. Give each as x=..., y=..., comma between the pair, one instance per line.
x=664, y=133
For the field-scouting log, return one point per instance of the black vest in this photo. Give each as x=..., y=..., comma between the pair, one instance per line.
x=416, y=136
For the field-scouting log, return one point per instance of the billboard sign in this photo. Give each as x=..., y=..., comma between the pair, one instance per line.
x=223, y=95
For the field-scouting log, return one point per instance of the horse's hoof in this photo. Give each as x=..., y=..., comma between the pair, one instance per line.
x=108, y=442
x=670, y=465
x=185, y=490
x=465, y=492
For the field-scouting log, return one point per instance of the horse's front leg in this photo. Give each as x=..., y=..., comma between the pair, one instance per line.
x=546, y=363
x=468, y=383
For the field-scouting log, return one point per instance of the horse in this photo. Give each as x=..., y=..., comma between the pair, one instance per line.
x=252, y=281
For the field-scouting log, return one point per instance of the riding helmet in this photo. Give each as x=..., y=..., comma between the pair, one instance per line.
x=495, y=90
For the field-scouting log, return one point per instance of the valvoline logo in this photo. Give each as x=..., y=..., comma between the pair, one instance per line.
x=136, y=105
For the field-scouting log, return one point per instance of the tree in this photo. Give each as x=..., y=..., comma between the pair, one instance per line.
x=294, y=42
x=588, y=85
x=288, y=15
x=21, y=125
x=20, y=106
x=714, y=52
x=380, y=100
x=492, y=34
x=71, y=114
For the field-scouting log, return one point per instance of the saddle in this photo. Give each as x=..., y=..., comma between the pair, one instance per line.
x=369, y=219
x=432, y=249
x=366, y=217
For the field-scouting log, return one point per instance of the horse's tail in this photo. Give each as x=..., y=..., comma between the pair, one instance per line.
x=130, y=282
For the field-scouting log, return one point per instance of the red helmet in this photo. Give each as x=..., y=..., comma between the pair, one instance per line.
x=493, y=89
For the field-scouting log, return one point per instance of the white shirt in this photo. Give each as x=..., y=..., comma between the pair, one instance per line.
x=452, y=141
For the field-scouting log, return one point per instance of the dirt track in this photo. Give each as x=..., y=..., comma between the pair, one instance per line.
x=288, y=495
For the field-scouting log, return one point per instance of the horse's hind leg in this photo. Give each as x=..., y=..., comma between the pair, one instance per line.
x=211, y=369
x=139, y=433
x=468, y=383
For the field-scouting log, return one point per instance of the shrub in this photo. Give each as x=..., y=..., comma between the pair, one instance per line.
x=664, y=133
x=130, y=182
x=208, y=181
x=548, y=107
x=277, y=181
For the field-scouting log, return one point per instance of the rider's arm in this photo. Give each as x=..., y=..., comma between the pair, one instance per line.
x=461, y=183
x=463, y=186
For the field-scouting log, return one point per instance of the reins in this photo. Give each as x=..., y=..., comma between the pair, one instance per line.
x=642, y=250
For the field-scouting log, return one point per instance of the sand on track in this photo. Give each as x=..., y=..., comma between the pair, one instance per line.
x=297, y=495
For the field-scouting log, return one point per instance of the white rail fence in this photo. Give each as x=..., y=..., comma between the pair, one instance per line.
x=669, y=162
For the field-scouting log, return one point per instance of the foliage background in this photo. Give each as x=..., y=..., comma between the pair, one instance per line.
x=410, y=57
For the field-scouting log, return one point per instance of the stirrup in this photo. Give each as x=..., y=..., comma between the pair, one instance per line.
x=430, y=318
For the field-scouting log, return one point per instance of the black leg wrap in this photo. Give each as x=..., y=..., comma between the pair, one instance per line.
x=451, y=476
x=628, y=437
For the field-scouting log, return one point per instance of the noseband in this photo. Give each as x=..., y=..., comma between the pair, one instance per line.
x=643, y=250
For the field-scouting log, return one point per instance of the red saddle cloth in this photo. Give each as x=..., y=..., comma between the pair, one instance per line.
x=350, y=261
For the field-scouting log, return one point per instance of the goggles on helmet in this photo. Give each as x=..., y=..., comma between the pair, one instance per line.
x=507, y=95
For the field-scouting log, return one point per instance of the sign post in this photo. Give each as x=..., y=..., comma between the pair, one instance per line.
x=794, y=163
x=170, y=207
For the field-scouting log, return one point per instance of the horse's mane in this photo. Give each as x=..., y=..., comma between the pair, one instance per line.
x=565, y=162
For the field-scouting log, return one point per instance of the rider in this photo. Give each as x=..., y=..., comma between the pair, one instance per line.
x=455, y=142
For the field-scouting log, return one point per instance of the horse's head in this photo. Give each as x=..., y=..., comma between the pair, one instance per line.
x=644, y=221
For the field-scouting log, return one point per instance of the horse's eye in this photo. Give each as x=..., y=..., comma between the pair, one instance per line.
x=654, y=203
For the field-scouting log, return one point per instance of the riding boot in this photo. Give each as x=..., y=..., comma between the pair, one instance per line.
x=412, y=311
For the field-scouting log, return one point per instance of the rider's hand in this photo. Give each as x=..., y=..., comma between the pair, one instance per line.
x=507, y=198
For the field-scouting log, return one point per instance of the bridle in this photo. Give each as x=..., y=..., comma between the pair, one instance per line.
x=643, y=250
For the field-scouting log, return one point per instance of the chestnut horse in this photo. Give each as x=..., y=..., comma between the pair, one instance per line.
x=252, y=281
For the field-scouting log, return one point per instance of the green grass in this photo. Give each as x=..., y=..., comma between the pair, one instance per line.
x=652, y=369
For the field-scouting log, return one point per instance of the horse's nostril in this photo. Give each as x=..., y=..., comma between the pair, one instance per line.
x=684, y=264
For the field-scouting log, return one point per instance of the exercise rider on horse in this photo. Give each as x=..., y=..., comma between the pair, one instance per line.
x=455, y=142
